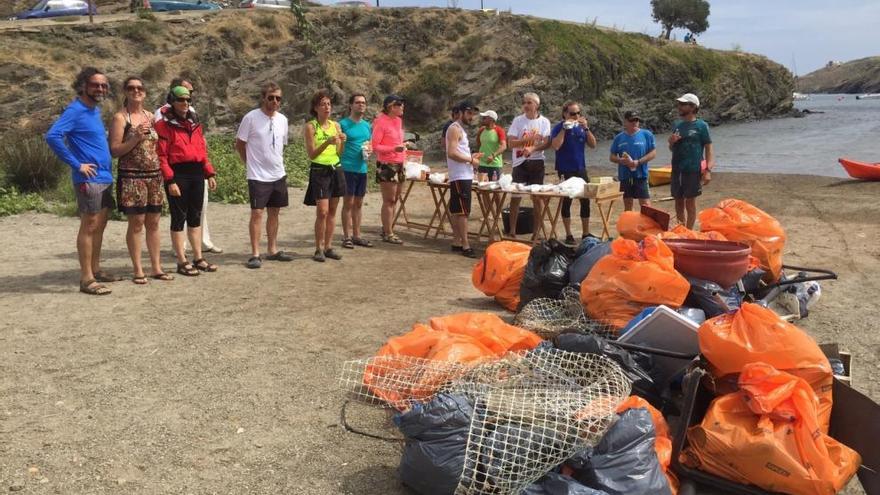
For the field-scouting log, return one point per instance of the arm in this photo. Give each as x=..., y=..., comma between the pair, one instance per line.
x=207, y=166
x=647, y=158
x=591, y=139
x=241, y=148
x=502, y=142
x=710, y=156
x=340, y=141
x=558, y=139
x=118, y=146
x=378, y=136
x=55, y=139
x=452, y=137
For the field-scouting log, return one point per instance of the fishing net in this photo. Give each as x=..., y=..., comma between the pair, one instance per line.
x=532, y=410
x=550, y=317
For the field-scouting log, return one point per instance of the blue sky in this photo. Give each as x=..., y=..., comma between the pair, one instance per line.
x=811, y=32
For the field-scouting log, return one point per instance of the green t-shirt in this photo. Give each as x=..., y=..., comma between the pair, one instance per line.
x=687, y=153
x=490, y=140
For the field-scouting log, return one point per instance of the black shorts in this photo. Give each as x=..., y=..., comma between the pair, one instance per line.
x=460, y=197
x=635, y=188
x=529, y=172
x=566, y=202
x=325, y=182
x=355, y=184
x=268, y=194
x=686, y=184
x=389, y=172
x=494, y=173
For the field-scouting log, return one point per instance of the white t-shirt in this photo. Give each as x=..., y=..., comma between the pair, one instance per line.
x=265, y=137
x=524, y=128
x=459, y=170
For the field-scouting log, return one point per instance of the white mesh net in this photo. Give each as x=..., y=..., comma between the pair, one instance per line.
x=551, y=317
x=532, y=410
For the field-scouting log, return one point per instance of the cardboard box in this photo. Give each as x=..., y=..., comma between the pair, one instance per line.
x=601, y=180
x=594, y=190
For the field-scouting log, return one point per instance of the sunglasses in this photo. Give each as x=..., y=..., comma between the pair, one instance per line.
x=633, y=120
x=274, y=98
x=139, y=89
x=181, y=100
x=574, y=114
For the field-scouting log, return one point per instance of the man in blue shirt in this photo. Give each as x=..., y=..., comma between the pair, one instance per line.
x=690, y=145
x=568, y=138
x=354, y=164
x=79, y=139
x=631, y=150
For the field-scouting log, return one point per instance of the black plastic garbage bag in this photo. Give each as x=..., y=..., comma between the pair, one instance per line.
x=585, y=261
x=624, y=461
x=559, y=484
x=636, y=365
x=752, y=282
x=546, y=272
x=436, y=438
x=712, y=298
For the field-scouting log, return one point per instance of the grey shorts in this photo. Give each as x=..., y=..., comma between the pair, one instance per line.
x=91, y=198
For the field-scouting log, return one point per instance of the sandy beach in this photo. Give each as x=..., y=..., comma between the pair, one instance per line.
x=226, y=382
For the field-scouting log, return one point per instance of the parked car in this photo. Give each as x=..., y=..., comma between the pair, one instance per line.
x=173, y=5
x=265, y=4
x=56, y=8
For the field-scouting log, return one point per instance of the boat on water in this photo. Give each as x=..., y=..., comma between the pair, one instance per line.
x=869, y=96
x=799, y=96
x=861, y=170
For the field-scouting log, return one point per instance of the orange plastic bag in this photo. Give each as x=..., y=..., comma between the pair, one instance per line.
x=662, y=440
x=682, y=232
x=500, y=272
x=756, y=334
x=768, y=435
x=630, y=279
x=634, y=226
x=741, y=222
x=489, y=330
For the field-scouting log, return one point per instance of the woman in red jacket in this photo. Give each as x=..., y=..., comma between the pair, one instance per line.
x=183, y=157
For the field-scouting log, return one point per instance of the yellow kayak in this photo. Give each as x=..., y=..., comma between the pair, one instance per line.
x=658, y=176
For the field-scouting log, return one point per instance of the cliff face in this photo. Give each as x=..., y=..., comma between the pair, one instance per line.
x=433, y=57
x=857, y=76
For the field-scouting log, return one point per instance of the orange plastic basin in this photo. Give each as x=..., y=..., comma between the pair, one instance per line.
x=722, y=262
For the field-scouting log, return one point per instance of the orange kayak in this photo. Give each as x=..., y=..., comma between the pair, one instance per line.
x=657, y=176
x=861, y=170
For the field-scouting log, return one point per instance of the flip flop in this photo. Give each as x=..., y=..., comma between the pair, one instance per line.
x=93, y=288
x=162, y=276
x=139, y=280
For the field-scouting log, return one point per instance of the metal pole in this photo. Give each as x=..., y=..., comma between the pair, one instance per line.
x=91, y=8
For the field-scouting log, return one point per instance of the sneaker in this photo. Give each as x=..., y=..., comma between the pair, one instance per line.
x=319, y=256
x=254, y=262
x=569, y=239
x=469, y=253
x=333, y=255
x=211, y=249
x=457, y=249
x=280, y=256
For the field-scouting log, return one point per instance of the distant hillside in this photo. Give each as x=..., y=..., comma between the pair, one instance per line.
x=857, y=76
x=434, y=57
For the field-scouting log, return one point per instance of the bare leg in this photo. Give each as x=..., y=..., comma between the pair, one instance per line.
x=322, y=210
x=627, y=204
x=178, y=243
x=133, y=240
x=272, y=229
x=330, y=224
x=356, y=214
x=154, y=242
x=679, y=210
x=195, y=240
x=514, y=214
x=347, y=221
x=88, y=225
x=98, y=239
x=389, y=202
x=566, y=222
x=691, y=206
x=254, y=230
x=585, y=225
x=644, y=202
x=459, y=227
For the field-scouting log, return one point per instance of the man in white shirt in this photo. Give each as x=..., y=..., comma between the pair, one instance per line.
x=527, y=138
x=260, y=142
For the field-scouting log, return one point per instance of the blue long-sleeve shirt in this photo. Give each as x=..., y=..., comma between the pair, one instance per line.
x=78, y=137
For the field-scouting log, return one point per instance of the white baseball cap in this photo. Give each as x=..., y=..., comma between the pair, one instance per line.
x=689, y=98
x=489, y=113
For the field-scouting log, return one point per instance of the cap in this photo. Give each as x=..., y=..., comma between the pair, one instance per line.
x=179, y=91
x=392, y=99
x=466, y=105
x=689, y=98
x=631, y=115
x=489, y=113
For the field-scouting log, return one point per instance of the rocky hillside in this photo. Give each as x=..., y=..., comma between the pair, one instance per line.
x=857, y=76
x=434, y=57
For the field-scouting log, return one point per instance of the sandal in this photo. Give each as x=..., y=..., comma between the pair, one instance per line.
x=203, y=265
x=469, y=253
x=319, y=256
x=93, y=288
x=105, y=277
x=347, y=243
x=186, y=268
x=162, y=276
x=139, y=280
x=361, y=242
x=391, y=239
x=333, y=255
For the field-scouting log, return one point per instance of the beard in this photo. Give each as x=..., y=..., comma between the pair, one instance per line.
x=98, y=97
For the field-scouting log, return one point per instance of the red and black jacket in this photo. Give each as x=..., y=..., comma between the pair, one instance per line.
x=181, y=141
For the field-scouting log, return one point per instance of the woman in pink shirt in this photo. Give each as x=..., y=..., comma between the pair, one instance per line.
x=390, y=151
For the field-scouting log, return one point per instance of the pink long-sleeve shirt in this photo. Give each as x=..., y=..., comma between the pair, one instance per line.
x=387, y=135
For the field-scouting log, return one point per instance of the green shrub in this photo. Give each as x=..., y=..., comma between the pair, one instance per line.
x=266, y=21
x=29, y=164
x=13, y=202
